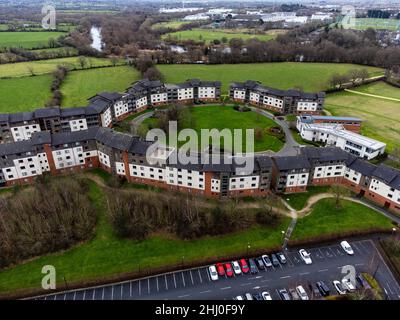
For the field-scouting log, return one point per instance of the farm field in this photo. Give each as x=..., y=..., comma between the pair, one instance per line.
x=27, y=40
x=24, y=94
x=209, y=35
x=82, y=84
x=107, y=255
x=173, y=24
x=21, y=69
x=381, y=89
x=221, y=117
x=381, y=117
x=281, y=75
x=326, y=219
x=365, y=23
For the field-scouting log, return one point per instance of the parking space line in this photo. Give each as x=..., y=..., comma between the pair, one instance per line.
x=140, y=288
x=65, y=296
x=130, y=289
x=183, y=296
x=122, y=291
x=322, y=255
x=174, y=279
x=291, y=264
x=84, y=294
x=362, y=245
x=323, y=270
x=208, y=274
x=225, y=288
x=183, y=279
x=332, y=252
x=201, y=279
x=191, y=276
x=205, y=291
x=74, y=295
x=358, y=249
x=166, y=282
x=112, y=292
x=148, y=285
x=245, y=284
x=285, y=277
x=303, y=273
x=158, y=289
x=102, y=294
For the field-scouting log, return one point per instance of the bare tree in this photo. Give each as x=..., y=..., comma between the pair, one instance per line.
x=339, y=192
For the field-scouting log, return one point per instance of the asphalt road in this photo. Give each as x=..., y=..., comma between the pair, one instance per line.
x=195, y=284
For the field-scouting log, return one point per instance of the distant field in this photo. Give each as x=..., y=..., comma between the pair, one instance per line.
x=24, y=94
x=27, y=40
x=381, y=117
x=83, y=84
x=282, y=75
x=45, y=66
x=365, y=23
x=174, y=24
x=209, y=35
x=59, y=49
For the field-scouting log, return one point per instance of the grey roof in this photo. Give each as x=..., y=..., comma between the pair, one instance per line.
x=311, y=118
x=362, y=166
x=111, y=138
x=41, y=137
x=324, y=154
x=139, y=146
x=385, y=173
x=75, y=136
x=47, y=112
x=264, y=162
x=194, y=162
x=145, y=84
x=15, y=147
x=21, y=117
x=290, y=163
x=111, y=96
x=4, y=117
x=97, y=106
x=396, y=183
x=70, y=112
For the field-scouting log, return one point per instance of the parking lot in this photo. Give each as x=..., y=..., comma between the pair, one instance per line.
x=196, y=283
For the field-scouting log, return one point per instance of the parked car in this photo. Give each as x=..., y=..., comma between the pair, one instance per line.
x=294, y=294
x=267, y=261
x=260, y=263
x=281, y=257
x=228, y=269
x=347, y=248
x=338, y=286
x=266, y=295
x=302, y=293
x=248, y=296
x=361, y=280
x=253, y=266
x=314, y=292
x=275, y=261
x=239, y=298
x=348, y=285
x=244, y=266
x=305, y=256
x=236, y=268
x=213, y=273
x=322, y=287
x=220, y=269
x=257, y=296
x=284, y=295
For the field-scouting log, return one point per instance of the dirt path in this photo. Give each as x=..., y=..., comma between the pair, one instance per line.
x=372, y=95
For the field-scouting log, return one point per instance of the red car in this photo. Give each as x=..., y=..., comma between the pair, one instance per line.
x=220, y=269
x=229, y=270
x=244, y=266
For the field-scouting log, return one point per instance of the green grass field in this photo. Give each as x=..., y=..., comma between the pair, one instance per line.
x=388, y=24
x=28, y=39
x=21, y=69
x=220, y=117
x=106, y=254
x=326, y=219
x=380, y=88
x=83, y=84
x=299, y=200
x=173, y=24
x=282, y=75
x=381, y=117
x=24, y=94
x=209, y=35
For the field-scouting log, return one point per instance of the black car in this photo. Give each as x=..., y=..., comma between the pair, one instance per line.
x=260, y=263
x=315, y=294
x=257, y=296
x=284, y=295
x=322, y=287
x=275, y=261
x=361, y=280
x=253, y=266
x=281, y=257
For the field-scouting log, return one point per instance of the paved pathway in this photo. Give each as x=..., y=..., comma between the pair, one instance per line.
x=371, y=95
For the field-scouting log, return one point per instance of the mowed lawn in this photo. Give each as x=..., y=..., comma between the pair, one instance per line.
x=282, y=75
x=209, y=35
x=27, y=40
x=387, y=24
x=299, y=200
x=326, y=219
x=225, y=117
x=21, y=69
x=174, y=24
x=83, y=84
x=381, y=117
x=380, y=88
x=107, y=255
x=24, y=94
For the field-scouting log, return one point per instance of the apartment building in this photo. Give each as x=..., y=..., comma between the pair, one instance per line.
x=280, y=101
x=349, y=123
x=336, y=135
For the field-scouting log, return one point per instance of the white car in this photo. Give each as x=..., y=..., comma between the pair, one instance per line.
x=348, y=285
x=236, y=267
x=305, y=256
x=248, y=296
x=347, y=248
x=239, y=298
x=213, y=273
x=266, y=295
x=338, y=286
x=302, y=293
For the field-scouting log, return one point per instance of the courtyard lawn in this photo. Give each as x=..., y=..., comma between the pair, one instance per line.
x=82, y=84
x=209, y=35
x=282, y=75
x=326, y=219
x=106, y=255
x=21, y=69
x=225, y=117
x=24, y=94
x=28, y=40
x=381, y=117
x=299, y=200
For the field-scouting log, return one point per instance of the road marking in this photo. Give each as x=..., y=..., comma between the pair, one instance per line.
x=359, y=264
x=304, y=273
x=265, y=280
x=390, y=289
x=93, y=294
x=112, y=292
x=174, y=279
x=130, y=289
x=102, y=294
x=332, y=252
x=201, y=279
x=323, y=270
x=245, y=284
x=158, y=289
x=148, y=285
x=191, y=276
x=225, y=288
x=74, y=295
x=121, y=290
x=140, y=288
x=65, y=296
x=84, y=295
x=258, y=277
x=291, y=264
x=183, y=296
x=183, y=279
x=166, y=282
x=205, y=291
x=321, y=256
x=208, y=274
x=285, y=277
